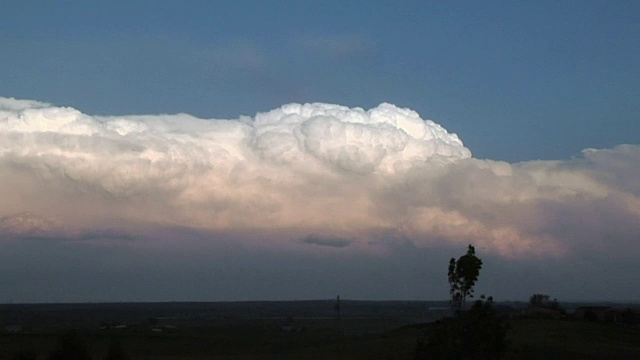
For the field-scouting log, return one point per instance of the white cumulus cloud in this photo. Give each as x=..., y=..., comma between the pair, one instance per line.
x=311, y=171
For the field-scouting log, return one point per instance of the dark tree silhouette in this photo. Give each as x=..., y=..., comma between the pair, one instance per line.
x=480, y=336
x=477, y=333
x=463, y=274
x=542, y=305
x=485, y=332
x=543, y=301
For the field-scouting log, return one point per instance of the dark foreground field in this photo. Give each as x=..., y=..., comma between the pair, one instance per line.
x=286, y=330
x=572, y=339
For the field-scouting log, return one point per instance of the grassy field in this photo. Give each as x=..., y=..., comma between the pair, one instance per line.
x=246, y=340
x=572, y=339
x=319, y=338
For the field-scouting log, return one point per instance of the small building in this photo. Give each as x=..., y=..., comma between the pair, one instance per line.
x=626, y=316
x=591, y=312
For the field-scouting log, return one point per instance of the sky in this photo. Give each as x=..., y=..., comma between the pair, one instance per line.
x=252, y=150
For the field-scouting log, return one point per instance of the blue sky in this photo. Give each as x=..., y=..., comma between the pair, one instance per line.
x=306, y=202
x=515, y=80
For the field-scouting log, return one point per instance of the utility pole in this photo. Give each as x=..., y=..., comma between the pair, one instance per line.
x=337, y=309
x=338, y=332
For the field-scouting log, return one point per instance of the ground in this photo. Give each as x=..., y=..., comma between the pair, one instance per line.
x=251, y=331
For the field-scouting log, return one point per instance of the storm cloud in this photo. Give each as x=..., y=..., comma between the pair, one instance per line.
x=331, y=175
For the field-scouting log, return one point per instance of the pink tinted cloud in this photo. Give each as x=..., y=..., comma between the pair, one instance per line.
x=311, y=171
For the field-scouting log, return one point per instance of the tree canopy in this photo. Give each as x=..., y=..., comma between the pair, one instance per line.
x=476, y=333
x=463, y=274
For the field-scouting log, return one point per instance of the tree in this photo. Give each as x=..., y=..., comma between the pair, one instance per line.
x=463, y=274
x=481, y=336
x=486, y=331
x=477, y=333
x=543, y=301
